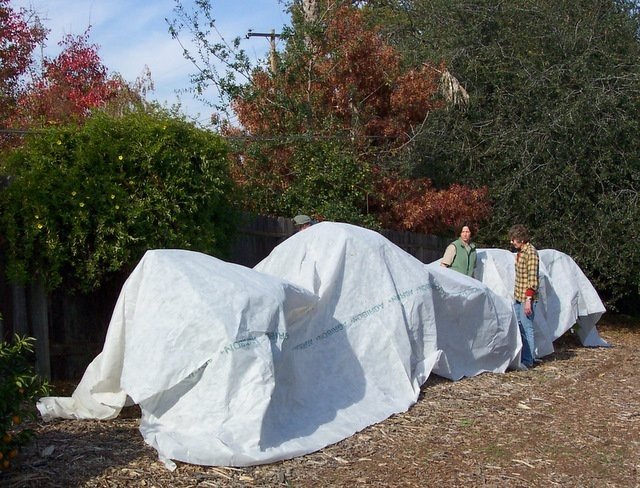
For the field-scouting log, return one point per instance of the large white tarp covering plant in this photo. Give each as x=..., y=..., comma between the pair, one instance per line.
x=354, y=270
x=566, y=297
x=336, y=330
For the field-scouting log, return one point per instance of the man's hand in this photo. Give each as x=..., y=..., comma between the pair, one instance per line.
x=528, y=308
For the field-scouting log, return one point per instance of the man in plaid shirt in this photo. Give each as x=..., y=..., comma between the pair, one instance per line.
x=526, y=290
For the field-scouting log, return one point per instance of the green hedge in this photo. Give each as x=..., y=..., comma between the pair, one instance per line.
x=85, y=202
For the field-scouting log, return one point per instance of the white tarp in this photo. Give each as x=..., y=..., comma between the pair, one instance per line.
x=354, y=270
x=566, y=296
x=334, y=331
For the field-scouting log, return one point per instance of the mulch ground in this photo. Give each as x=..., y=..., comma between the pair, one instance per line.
x=573, y=421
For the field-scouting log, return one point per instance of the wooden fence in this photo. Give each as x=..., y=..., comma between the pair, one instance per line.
x=70, y=328
x=258, y=235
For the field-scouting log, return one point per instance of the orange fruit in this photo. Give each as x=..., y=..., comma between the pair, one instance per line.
x=6, y=464
x=6, y=438
x=16, y=419
x=1, y=455
x=13, y=453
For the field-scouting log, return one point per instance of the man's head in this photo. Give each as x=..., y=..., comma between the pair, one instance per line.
x=302, y=222
x=518, y=235
x=465, y=234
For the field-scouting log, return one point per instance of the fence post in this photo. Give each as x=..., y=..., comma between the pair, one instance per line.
x=40, y=324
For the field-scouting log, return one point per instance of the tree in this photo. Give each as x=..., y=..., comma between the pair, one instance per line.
x=334, y=115
x=413, y=204
x=348, y=75
x=552, y=123
x=70, y=86
x=60, y=89
x=18, y=39
x=85, y=202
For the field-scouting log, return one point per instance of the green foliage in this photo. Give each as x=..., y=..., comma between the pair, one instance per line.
x=552, y=127
x=85, y=202
x=20, y=387
x=322, y=178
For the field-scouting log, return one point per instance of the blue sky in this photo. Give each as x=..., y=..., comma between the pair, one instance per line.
x=132, y=34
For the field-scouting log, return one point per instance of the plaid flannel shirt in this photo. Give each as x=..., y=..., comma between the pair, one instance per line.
x=527, y=265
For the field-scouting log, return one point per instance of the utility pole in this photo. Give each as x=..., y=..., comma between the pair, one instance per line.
x=272, y=42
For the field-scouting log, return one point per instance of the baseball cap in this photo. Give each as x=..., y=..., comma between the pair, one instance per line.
x=301, y=219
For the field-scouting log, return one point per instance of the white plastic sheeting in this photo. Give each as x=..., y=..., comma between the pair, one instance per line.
x=566, y=296
x=334, y=331
x=354, y=271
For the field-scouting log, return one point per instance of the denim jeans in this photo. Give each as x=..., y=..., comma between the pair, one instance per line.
x=525, y=324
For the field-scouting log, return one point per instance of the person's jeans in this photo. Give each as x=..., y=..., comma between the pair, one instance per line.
x=525, y=324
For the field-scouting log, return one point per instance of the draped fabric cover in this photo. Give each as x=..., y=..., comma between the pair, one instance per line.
x=335, y=330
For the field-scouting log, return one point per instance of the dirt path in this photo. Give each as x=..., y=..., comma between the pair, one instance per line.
x=573, y=421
